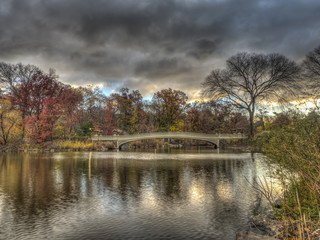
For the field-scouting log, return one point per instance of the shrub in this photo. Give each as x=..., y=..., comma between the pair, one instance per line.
x=295, y=148
x=75, y=145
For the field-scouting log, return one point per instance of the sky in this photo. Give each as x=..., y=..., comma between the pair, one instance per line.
x=150, y=45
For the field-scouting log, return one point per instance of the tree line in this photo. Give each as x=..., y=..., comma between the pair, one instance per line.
x=35, y=105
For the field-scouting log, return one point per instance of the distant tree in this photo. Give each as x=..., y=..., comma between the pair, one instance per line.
x=206, y=119
x=109, y=119
x=129, y=110
x=215, y=117
x=71, y=100
x=193, y=123
x=86, y=129
x=222, y=113
x=93, y=99
x=168, y=106
x=250, y=78
x=311, y=65
x=92, y=108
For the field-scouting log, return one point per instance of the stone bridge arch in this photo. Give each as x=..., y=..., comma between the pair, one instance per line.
x=121, y=143
x=212, y=138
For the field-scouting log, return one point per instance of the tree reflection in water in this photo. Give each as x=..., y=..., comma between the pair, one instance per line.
x=124, y=195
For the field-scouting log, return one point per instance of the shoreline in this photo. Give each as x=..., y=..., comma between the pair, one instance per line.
x=33, y=150
x=86, y=146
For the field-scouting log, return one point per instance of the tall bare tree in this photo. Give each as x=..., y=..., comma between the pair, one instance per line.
x=311, y=66
x=250, y=78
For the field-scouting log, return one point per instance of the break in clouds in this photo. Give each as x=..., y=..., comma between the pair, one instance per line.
x=151, y=44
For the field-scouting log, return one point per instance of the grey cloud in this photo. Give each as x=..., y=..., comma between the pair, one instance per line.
x=203, y=48
x=164, y=67
x=151, y=43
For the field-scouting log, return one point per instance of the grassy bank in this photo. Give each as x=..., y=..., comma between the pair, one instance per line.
x=294, y=147
x=48, y=146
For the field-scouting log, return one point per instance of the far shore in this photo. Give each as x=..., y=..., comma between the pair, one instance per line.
x=244, y=147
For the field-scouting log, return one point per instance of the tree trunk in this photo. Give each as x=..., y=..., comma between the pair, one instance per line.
x=23, y=117
x=169, y=126
x=251, y=119
x=251, y=131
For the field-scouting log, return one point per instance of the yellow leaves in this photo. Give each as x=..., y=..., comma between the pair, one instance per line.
x=10, y=122
x=259, y=129
x=267, y=126
x=59, y=131
x=178, y=126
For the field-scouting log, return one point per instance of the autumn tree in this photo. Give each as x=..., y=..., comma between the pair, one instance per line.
x=129, y=110
x=71, y=100
x=91, y=110
x=30, y=95
x=193, y=123
x=93, y=100
x=221, y=114
x=206, y=119
x=9, y=119
x=168, y=107
x=215, y=117
x=109, y=119
x=12, y=75
x=42, y=127
x=34, y=98
x=251, y=78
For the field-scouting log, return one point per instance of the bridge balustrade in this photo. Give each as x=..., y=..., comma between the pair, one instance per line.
x=213, y=138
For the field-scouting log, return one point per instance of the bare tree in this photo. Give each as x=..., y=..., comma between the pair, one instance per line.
x=312, y=62
x=13, y=74
x=250, y=78
x=311, y=67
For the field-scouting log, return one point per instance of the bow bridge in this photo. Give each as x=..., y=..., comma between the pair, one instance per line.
x=212, y=138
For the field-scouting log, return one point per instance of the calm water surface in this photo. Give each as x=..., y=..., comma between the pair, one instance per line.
x=127, y=195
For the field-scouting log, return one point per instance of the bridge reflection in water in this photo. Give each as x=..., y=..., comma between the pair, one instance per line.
x=212, y=138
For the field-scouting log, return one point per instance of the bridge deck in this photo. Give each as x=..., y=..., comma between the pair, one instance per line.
x=168, y=135
x=213, y=138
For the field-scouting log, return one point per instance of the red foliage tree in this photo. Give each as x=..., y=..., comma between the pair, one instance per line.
x=38, y=100
x=42, y=127
x=70, y=101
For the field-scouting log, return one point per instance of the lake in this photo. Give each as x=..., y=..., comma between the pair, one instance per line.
x=195, y=194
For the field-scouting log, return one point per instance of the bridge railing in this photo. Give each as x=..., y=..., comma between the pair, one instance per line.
x=167, y=135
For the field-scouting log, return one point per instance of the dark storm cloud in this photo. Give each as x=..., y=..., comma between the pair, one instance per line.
x=203, y=48
x=151, y=44
x=164, y=67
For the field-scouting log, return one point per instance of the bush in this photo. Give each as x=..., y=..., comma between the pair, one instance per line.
x=75, y=145
x=295, y=148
